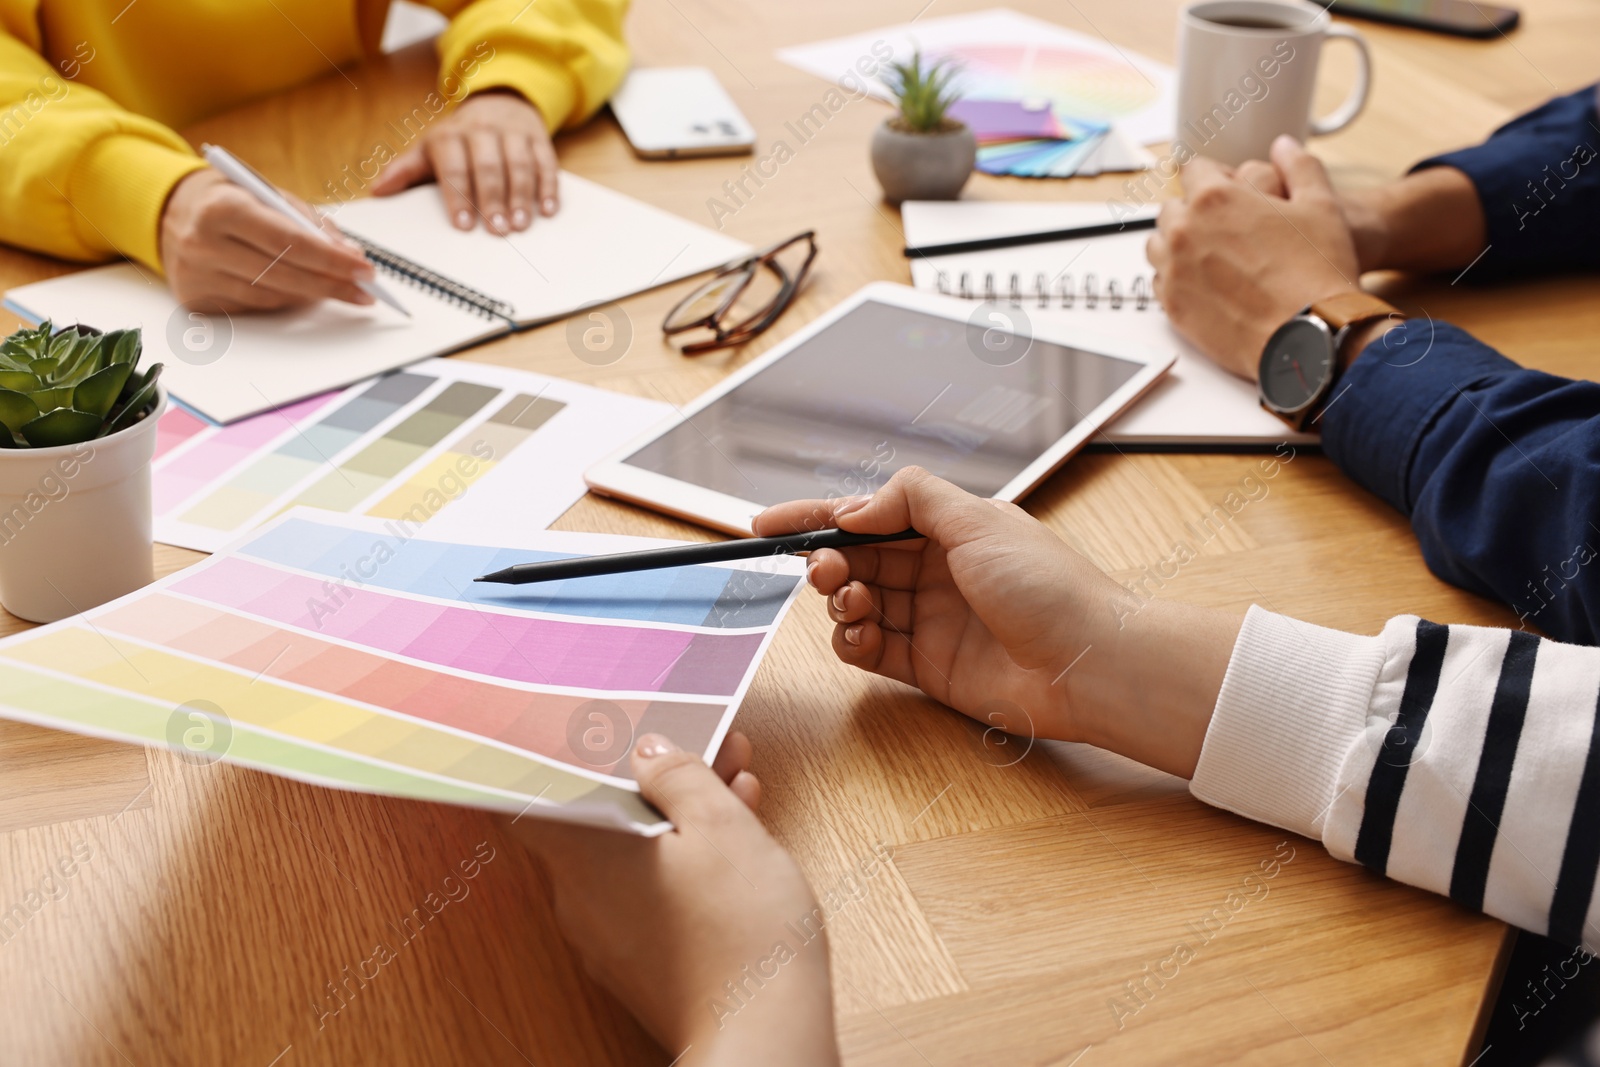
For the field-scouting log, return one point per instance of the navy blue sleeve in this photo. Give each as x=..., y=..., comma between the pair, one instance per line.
x=1538, y=179
x=1497, y=466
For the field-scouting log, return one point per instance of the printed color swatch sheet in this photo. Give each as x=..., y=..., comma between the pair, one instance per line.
x=348, y=652
x=450, y=444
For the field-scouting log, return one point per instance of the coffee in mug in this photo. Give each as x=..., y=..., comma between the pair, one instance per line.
x=1247, y=72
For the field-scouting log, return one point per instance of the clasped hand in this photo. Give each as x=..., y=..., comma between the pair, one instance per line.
x=1248, y=249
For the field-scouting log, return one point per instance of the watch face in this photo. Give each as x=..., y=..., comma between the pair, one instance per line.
x=1297, y=364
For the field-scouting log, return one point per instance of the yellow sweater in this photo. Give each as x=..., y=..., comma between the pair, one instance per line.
x=90, y=91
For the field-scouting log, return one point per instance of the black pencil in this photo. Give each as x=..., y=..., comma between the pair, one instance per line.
x=685, y=555
x=1071, y=233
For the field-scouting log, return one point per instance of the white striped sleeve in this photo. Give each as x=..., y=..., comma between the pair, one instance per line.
x=1461, y=759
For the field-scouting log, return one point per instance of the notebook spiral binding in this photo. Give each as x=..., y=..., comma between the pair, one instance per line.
x=415, y=274
x=1063, y=292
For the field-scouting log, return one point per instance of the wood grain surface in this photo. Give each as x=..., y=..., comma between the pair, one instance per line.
x=173, y=913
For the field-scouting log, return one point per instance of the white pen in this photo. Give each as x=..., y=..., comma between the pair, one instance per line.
x=240, y=174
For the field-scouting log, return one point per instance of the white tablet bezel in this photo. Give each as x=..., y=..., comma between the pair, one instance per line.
x=613, y=476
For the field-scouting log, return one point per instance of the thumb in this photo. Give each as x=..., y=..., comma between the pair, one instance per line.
x=939, y=510
x=681, y=786
x=1303, y=173
x=409, y=168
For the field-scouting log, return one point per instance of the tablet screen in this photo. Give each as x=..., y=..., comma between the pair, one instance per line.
x=886, y=387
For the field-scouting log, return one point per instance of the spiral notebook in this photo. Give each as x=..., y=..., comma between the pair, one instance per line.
x=460, y=288
x=1101, y=285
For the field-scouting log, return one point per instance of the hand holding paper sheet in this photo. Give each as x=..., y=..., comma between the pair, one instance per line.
x=329, y=649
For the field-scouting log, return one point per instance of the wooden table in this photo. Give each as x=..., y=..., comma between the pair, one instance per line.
x=216, y=908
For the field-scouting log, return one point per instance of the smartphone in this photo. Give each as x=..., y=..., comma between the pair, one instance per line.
x=1460, y=18
x=667, y=112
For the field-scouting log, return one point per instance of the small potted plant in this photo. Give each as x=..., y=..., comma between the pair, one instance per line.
x=77, y=434
x=921, y=153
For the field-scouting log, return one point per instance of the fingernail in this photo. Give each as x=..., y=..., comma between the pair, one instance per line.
x=811, y=574
x=464, y=220
x=652, y=745
x=498, y=221
x=849, y=504
x=852, y=634
x=519, y=219
x=548, y=207
x=837, y=600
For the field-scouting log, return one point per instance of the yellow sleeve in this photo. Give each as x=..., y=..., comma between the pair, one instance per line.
x=80, y=177
x=566, y=56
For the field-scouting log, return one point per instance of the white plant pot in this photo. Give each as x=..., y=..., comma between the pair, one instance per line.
x=75, y=522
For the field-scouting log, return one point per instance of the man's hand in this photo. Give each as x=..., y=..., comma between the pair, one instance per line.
x=224, y=249
x=1246, y=250
x=995, y=616
x=1430, y=220
x=493, y=161
x=667, y=923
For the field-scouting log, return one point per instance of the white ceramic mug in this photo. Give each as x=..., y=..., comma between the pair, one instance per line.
x=1247, y=72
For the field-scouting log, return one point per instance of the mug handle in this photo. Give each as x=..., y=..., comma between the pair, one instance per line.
x=1346, y=112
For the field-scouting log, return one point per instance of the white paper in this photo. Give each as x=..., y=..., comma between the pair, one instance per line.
x=375, y=739
x=1197, y=402
x=527, y=489
x=409, y=23
x=601, y=247
x=1009, y=56
x=231, y=366
x=1115, y=154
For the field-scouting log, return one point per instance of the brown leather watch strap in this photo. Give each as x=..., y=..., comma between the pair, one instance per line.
x=1352, y=306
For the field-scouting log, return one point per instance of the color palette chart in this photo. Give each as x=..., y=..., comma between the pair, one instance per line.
x=339, y=650
x=413, y=446
x=1003, y=55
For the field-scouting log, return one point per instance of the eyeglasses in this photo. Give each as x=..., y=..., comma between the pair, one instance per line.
x=742, y=299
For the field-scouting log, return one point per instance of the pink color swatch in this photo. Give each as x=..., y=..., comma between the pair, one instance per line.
x=227, y=448
x=176, y=427
x=514, y=647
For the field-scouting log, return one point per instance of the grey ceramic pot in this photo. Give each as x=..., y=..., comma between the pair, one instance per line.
x=922, y=166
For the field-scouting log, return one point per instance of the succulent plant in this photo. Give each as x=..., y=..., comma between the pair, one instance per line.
x=73, y=385
x=923, y=93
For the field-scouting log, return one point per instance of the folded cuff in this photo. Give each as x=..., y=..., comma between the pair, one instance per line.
x=548, y=86
x=1294, y=701
x=1542, y=159
x=1391, y=396
x=119, y=189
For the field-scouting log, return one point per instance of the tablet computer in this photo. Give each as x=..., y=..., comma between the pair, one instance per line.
x=988, y=396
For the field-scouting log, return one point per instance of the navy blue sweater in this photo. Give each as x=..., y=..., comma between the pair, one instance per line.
x=1497, y=466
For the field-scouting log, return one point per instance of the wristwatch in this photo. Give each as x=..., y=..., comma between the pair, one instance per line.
x=1300, y=363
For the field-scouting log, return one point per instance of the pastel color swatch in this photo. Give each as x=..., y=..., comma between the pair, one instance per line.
x=693, y=596
x=331, y=677
x=412, y=446
x=380, y=461
x=216, y=453
x=470, y=456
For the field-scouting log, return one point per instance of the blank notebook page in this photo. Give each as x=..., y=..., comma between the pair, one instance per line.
x=601, y=246
x=231, y=366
